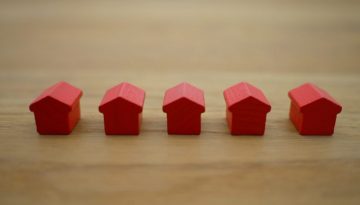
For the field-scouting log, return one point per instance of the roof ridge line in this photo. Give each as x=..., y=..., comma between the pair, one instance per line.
x=247, y=89
x=52, y=90
x=318, y=91
x=183, y=89
x=121, y=88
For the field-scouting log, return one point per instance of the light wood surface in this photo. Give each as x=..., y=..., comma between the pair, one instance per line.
x=275, y=45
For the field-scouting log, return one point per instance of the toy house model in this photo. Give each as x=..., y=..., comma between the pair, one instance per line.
x=313, y=111
x=57, y=109
x=246, y=109
x=122, y=108
x=183, y=105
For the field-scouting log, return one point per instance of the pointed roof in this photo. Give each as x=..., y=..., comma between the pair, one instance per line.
x=62, y=93
x=124, y=91
x=244, y=93
x=181, y=92
x=308, y=96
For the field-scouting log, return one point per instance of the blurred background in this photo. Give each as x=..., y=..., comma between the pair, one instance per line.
x=167, y=35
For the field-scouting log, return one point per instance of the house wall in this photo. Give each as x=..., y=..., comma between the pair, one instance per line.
x=184, y=123
x=52, y=123
x=250, y=123
x=296, y=116
x=119, y=122
x=318, y=123
x=312, y=123
x=74, y=115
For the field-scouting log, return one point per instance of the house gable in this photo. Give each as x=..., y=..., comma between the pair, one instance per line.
x=186, y=95
x=250, y=104
x=245, y=96
x=124, y=94
x=59, y=97
x=49, y=104
x=310, y=98
x=183, y=105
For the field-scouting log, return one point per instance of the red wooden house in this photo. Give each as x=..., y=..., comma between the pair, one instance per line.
x=122, y=108
x=313, y=111
x=57, y=109
x=246, y=109
x=183, y=105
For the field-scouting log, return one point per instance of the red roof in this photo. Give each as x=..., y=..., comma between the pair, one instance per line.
x=244, y=94
x=184, y=91
x=308, y=96
x=61, y=92
x=124, y=91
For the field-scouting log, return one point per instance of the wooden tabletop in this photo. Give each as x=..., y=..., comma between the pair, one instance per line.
x=275, y=45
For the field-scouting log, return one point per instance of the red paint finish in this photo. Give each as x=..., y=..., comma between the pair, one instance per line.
x=246, y=109
x=312, y=110
x=183, y=105
x=122, y=108
x=57, y=109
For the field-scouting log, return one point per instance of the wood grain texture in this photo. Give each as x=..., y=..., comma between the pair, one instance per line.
x=275, y=45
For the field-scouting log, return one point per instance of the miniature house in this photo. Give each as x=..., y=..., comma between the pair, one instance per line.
x=57, y=109
x=183, y=105
x=246, y=109
x=313, y=111
x=122, y=108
